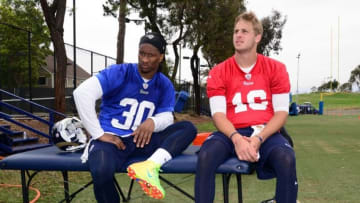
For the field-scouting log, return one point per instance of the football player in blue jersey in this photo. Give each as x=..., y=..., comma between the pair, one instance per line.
x=135, y=119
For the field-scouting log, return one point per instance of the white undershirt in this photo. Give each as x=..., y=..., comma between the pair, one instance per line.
x=89, y=92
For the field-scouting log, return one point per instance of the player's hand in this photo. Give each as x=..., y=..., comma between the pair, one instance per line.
x=116, y=140
x=243, y=148
x=254, y=142
x=142, y=134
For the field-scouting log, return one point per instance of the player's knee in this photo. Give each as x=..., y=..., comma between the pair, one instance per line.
x=285, y=156
x=189, y=128
x=100, y=169
x=203, y=159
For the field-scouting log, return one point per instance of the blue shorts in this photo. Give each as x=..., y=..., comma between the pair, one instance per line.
x=262, y=169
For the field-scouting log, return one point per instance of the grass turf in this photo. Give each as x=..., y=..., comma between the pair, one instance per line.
x=327, y=150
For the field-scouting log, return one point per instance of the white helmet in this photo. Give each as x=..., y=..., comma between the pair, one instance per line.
x=68, y=135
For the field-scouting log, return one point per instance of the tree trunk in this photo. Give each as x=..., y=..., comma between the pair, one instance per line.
x=195, y=68
x=121, y=33
x=54, y=17
x=177, y=61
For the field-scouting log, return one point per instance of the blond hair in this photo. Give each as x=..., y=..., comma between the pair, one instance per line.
x=251, y=17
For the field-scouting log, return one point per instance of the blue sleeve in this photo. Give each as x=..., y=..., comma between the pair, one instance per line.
x=112, y=77
x=167, y=100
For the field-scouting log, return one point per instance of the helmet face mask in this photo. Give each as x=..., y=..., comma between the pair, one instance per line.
x=68, y=135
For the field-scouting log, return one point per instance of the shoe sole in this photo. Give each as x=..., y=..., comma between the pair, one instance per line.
x=150, y=190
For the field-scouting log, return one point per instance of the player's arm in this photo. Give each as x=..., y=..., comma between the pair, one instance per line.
x=281, y=111
x=157, y=123
x=242, y=146
x=85, y=97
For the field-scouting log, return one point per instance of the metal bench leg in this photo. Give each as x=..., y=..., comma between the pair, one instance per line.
x=26, y=184
x=239, y=186
x=119, y=190
x=25, y=188
x=226, y=180
x=177, y=188
x=130, y=189
x=66, y=186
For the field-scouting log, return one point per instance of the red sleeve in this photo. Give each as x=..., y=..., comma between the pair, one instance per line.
x=280, y=82
x=215, y=83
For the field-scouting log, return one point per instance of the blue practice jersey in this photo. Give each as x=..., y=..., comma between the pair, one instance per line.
x=128, y=100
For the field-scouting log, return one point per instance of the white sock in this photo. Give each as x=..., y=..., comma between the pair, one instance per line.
x=160, y=156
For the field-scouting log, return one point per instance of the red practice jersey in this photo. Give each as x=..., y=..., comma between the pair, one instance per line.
x=248, y=96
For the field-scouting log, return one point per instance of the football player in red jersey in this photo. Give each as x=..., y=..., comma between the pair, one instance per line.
x=249, y=102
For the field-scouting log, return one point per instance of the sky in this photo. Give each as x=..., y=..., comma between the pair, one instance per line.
x=326, y=34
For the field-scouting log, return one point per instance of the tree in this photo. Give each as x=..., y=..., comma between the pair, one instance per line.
x=147, y=9
x=355, y=76
x=18, y=19
x=346, y=87
x=110, y=7
x=217, y=44
x=330, y=85
x=313, y=89
x=270, y=41
x=54, y=16
x=202, y=25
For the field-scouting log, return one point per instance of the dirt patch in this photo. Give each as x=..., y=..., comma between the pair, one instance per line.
x=195, y=119
x=342, y=112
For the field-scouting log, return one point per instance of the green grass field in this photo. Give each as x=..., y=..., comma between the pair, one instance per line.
x=327, y=149
x=331, y=100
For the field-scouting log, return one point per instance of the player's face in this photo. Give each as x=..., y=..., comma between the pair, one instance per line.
x=149, y=60
x=244, y=37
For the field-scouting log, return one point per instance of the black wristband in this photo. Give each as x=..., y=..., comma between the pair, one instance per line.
x=232, y=134
x=260, y=138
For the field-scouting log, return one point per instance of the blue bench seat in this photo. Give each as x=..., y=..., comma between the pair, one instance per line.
x=52, y=159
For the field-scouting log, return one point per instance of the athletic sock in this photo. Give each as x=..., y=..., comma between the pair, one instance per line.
x=160, y=156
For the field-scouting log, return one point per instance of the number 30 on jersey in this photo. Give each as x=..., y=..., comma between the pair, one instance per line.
x=136, y=112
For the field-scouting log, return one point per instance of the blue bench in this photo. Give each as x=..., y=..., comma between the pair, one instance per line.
x=52, y=159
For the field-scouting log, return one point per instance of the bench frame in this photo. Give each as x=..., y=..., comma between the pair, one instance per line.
x=18, y=162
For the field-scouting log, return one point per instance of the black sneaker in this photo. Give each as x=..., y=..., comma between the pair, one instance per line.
x=272, y=200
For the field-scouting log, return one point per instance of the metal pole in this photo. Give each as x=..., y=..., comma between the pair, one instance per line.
x=0, y=73
x=54, y=83
x=74, y=32
x=92, y=65
x=30, y=71
x=297, y=82
x=331, y=55
x=338, y=49
x=180, y=66
x=0, y=83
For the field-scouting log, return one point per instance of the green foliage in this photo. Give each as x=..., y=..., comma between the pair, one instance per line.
x=216, y=34
x=346, y=87
x=17, y=18
x=331, y=85
x=272, y=35
x=355, y=76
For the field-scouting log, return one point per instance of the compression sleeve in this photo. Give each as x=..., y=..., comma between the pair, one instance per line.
x=281, y=102
x=217, y=104
x=85, y=97
x=162, y=120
